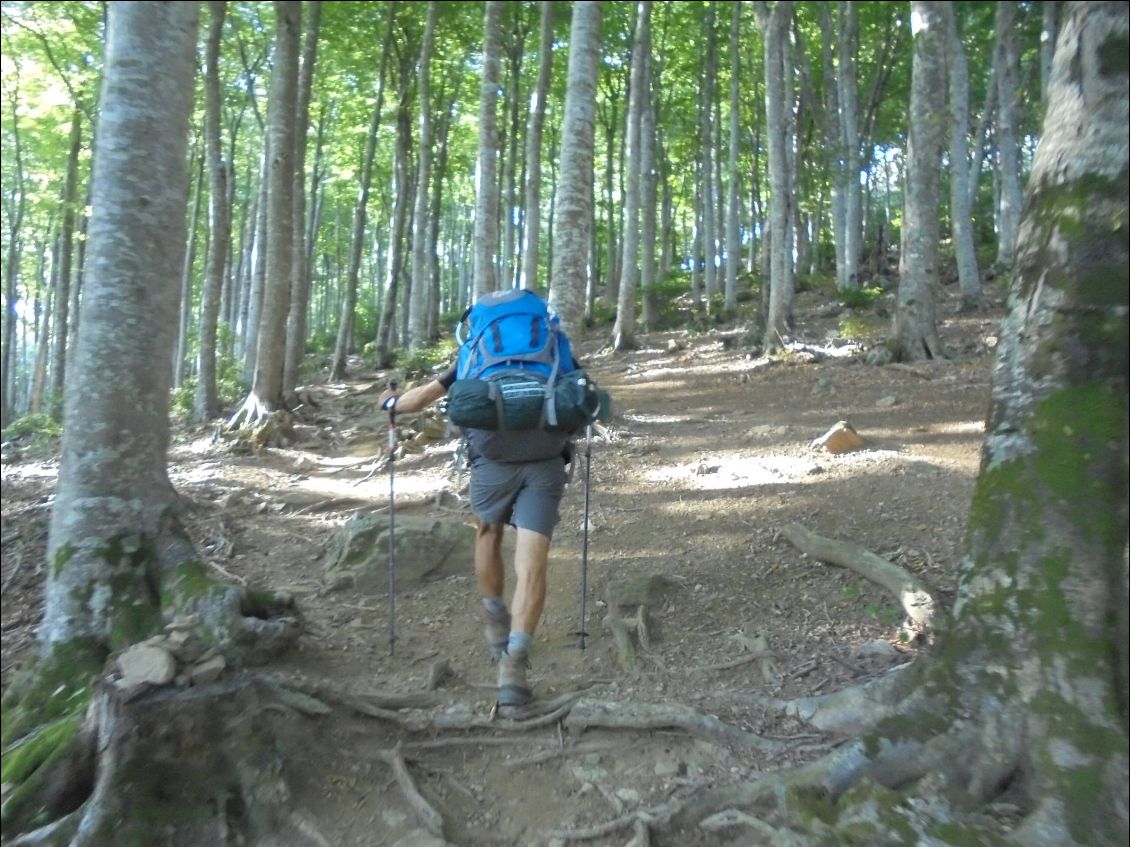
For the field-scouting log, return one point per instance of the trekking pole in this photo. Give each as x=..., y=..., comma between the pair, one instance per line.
x=585, y=537
x=390, y=404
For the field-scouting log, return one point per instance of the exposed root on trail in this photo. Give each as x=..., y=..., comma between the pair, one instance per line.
x=922, y=769
x=849, y=710
x=265, y=424
x=916, y=599
x=607, y=714
x=425, y=811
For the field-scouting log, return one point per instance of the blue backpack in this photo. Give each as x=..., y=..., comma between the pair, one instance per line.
x=513, y=358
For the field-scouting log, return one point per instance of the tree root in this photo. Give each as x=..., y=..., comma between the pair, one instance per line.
x=587, y=713
x=849, y=710
x=917, y=601
x=425, y=811
x=641, y=820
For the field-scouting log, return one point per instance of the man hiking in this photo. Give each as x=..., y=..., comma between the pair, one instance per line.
x=518, y=478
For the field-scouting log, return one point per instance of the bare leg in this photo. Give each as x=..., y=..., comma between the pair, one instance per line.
x=531, y=559
x=489, y=572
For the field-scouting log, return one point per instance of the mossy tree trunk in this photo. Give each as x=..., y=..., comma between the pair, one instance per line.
x=1025, y=700
x=119, y=565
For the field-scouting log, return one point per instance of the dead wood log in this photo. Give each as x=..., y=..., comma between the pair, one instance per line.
x=917, y=601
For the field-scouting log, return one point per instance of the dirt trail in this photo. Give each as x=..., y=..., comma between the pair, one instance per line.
x=707, y=458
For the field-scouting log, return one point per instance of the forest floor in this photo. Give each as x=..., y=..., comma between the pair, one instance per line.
x=707, y=457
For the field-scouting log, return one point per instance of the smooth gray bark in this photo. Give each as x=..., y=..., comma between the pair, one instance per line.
x=534, y=131
x=15, y=212
x=345, y=325
x=486, y=177
x=1008, y=147
x=733, y=245
x=266, y=390
x=961, y=212
x=299, y=263
x=915, y=324
x=180, y=362
x=574, y=199
x=709, y=224
x=624, y=330
x=401, y=191
x=773, y=23
x=66, y=253
x=649, y=191
x=833, y=145
x=113, y=486
x=850, y=143
x=421, y=215
x=205, y=405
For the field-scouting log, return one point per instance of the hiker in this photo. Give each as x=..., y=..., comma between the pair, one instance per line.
x=518, y=477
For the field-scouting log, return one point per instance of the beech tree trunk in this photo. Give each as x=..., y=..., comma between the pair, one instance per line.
x=574, y=199
x=850, y=143
x=421, y=254
x=1024, y=699
x=961, y=211
x=66, y=252
x=709, y=234
x=773, y=23
x=534, y=129
x=266, y=391
x=623, y=332
x=401, y=191
x=486, y=179
x=300, y=264
x=1008, y=146
x=205, y=405
x=733, y=245
x=915, y=324
x=15, y=211
x=360, y=214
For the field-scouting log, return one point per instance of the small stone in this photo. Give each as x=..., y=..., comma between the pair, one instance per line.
x=841, y=438
x=887, y=402
x=146, y=664
x=628, y=796
x=666, y=767
x=207, y=671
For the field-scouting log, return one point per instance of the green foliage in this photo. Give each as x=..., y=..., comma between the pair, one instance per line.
x=37, y=427
x=603, y=314
x=427, y=360
x=230, y=385
x=321, y=342
x=859, y=298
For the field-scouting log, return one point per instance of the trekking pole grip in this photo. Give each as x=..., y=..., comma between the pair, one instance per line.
x=390, y=404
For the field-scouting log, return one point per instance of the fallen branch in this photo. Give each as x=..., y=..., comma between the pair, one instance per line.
x=916, y=600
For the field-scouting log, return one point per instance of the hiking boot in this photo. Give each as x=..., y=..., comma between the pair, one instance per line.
x=513, y=690
x=497, y=633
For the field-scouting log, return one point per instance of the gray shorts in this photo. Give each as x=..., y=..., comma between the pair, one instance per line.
x=523, y=494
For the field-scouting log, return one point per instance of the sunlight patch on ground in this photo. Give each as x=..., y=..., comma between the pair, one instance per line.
x=717, y=473
x=960, y=427
x=657, y=419
x=714, y=472
x=376, y=487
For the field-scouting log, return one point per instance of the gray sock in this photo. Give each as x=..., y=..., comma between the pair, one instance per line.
x=519, y=643
x=495, y=607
